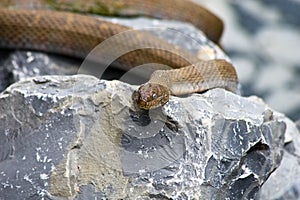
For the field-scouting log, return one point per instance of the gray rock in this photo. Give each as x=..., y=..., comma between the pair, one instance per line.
x=284, y=183
x=80, y=138
x=19, y=65
x=298, y=124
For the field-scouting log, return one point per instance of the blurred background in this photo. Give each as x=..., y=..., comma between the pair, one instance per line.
x=262, y=37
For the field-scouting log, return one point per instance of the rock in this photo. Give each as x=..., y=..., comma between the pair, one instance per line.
x=19, y=65
x=80, y=138
x=284, y=183
x=298, y=124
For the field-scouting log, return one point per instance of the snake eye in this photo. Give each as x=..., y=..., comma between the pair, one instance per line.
x=150, y=96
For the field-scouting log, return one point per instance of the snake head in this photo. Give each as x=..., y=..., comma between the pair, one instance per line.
x=151, y=95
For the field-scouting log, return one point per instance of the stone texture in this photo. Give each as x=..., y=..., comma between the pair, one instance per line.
x=284, y=183
x=80, y=138
x=19, y=65
x=60, y=141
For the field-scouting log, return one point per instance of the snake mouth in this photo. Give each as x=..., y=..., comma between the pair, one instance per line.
x=151, y=95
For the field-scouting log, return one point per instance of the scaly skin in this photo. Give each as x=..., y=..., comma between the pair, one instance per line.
x=198, y=77
x=182, y=10
x=76, y=35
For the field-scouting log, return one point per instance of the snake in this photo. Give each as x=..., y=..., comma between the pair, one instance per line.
x=74, y=34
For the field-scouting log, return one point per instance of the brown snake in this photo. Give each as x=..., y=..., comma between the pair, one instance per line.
x=76, y=35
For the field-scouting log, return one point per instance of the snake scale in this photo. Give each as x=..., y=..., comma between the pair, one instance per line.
x=76, y=35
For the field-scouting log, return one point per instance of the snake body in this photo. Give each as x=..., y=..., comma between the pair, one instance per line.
x=76, y=35
x=182, y=10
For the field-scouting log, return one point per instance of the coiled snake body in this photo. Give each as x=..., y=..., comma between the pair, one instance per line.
x=76, y=35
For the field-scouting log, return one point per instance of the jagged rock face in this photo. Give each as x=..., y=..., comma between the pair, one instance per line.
x=284, y=183
x=79, y=137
